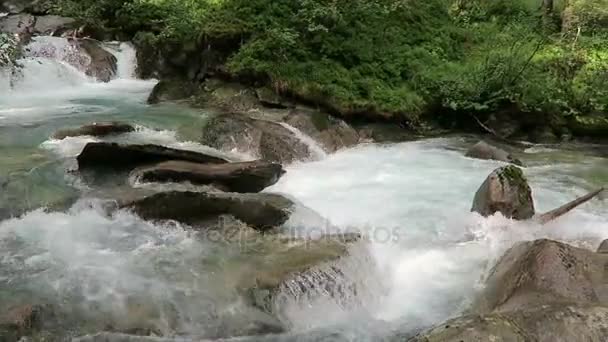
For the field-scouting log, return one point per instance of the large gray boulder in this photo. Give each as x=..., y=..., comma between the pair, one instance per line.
x=260, y=211
x=506, y=190
x=483, y=150
x=21, y=25
x=331, y=133
x=538, y=291
x=544, y=272
x=116, y=156
x=231, y=177
x=103, y=64
x=95, y=129
x=53, y=25
x=547, y=323
x=264, y=139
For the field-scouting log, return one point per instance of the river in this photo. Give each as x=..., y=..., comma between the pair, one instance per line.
x=427, y=256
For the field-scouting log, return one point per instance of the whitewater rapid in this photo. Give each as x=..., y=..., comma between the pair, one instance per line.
x=426, y=256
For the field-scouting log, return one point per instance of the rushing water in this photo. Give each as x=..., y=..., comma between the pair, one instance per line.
x=427, y=255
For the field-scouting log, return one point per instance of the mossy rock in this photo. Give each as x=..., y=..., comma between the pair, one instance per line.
x=592, y=125
x=506, y=190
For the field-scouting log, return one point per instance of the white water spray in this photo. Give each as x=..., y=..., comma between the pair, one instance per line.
x=317, y=152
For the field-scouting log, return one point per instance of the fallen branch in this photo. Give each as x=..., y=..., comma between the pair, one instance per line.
x=554, y=214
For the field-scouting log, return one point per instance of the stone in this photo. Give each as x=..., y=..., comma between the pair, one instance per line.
x=483, y=150
x=263, y=139
x=331, y=133
x=21, y=25
x=53, y=25
x=547, y=323
x=172, y=90
x=20, y=321
x=233, y=177
x=506, y=190
x=228, y=96
x=543, y=272
x=261, y=211
x=269, y=98
x=116, y=156
x=603, y=248
x=96, y=130
x=103, y=65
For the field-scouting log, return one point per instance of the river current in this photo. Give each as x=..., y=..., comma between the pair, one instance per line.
x=426, y=258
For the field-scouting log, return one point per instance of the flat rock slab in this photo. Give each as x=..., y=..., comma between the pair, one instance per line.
x=95, y=130
x=260, y=211
x=116, y=156
x=231, y=177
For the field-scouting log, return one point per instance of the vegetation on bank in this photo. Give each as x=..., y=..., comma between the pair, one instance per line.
x=454, y=61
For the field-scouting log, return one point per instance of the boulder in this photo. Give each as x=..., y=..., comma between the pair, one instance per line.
x=95, y=130
x=172, y=90
x=21, y=25
x=297, y=267
x=269, y=98
x=116, y=156
x=53, y=25
x=506, y=190
x=331, y=133
x=261, y=211
x=547, y=323
x=228, y=96
x=543, y=272
x=483, y=150
x=266, y=140
x=20, y=321
x=232, y=177
x=603, y=248
x=103, y=64
x=31, y=6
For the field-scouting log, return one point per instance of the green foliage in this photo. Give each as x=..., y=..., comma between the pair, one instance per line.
x=9, y=49
x=398, y=58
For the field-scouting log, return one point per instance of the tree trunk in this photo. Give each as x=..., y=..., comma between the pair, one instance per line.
x=548, y=6
x=554, y=214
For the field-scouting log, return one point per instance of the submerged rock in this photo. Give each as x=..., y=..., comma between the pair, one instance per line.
x=21, y=321
x=103, y=64
x=116, y=156
x=96, y=130
x=232, y=177
x=261, y=211
x=506, y=190
x=483, y=150
x=265, y=139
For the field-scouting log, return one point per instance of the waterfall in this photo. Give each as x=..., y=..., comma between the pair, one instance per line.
x=317, y=152
x=126, y=57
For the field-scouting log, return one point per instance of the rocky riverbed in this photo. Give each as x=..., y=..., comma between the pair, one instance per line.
x=133, y=210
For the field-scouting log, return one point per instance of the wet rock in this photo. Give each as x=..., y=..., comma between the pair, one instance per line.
x=21, y=25
x=53, y=25
x=232, y=177
x=31, y=6
x=261, y=211
x=506, y=190
x=331, y=133
x=293, y=268
x=103, y=64
x=483, y=150
x=230, y=97
x=172, y=90
x=269, y=98
x=547, y=323
x=603, y=248
x=116, y=156
x=544, y=272
x=95, y=130
x=266, y=140
x=20, y=321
